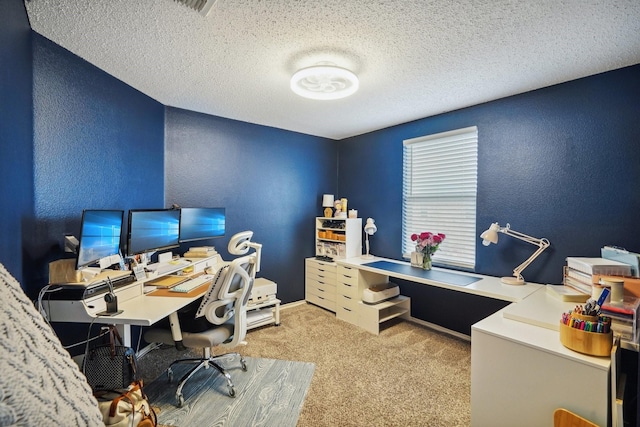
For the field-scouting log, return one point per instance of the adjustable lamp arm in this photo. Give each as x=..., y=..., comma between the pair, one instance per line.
x=541, y=243
x=490, y=236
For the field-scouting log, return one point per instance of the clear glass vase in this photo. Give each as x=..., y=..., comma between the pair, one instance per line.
x=426, y=261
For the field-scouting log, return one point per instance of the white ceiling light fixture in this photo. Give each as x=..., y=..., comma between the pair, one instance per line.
x=202, y=6
x=324, y=82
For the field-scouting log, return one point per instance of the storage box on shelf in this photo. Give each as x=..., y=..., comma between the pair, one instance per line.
x=624, y=317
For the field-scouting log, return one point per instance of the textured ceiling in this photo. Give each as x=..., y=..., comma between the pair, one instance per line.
x=414, y=58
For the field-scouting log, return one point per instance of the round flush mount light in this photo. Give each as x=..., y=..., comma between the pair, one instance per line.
x=324, y=82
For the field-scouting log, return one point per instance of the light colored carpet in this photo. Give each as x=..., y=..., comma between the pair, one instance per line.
x=408, y=375
x=269, y=393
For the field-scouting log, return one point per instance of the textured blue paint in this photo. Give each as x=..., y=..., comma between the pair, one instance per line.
x=561, y=162
x=16, y=122
x=98, y=144
x=270, y=181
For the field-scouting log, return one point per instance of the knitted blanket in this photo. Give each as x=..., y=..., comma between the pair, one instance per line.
x=40, y=385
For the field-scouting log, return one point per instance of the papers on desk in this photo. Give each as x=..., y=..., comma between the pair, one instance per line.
x=149, y=288
x=539, y=309
x=566, y=293
x=168, y=281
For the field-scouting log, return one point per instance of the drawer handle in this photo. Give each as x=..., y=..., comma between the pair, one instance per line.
x=321, y=290
x=346, y=284
x=346, y=309
x=347, y=297
x=320, y=297
x=346, y=275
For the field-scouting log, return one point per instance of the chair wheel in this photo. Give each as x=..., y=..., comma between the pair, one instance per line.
x=244, y=366
x=232, y=392
x=180, y=400
x=170, y=374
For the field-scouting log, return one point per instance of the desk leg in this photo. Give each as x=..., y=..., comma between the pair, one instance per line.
x=125, y=333
x=176, y=333
x=277, y=314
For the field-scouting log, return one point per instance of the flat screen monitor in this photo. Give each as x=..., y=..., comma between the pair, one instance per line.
x=152, y=230
x=201, y=223
x=100, y=234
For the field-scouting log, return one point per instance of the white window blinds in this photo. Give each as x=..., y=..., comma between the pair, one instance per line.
x=439, y=193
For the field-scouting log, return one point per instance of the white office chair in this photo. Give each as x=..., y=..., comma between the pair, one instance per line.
x=224, y=306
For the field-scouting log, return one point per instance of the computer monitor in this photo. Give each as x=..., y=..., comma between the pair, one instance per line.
x=100, y=234
x=152, y=230
x=201, y=223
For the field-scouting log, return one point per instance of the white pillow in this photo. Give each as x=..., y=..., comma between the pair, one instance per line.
x=40, y=384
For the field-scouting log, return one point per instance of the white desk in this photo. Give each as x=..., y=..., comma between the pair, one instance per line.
x=137, y=308
x=521, y=373
x=486, y=286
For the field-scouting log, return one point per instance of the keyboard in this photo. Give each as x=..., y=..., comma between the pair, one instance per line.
x=167, y=267
x=190, y=285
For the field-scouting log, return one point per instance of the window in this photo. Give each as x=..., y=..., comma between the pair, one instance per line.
x=439, y=186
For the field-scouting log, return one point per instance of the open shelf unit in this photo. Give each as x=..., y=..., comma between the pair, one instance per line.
x=338, y=238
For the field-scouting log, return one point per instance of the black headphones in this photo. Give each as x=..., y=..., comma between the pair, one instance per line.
x=111, y=299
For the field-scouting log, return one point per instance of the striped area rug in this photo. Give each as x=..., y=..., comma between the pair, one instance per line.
x=270, y=393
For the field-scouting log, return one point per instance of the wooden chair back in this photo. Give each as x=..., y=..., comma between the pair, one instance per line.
x=565, y=418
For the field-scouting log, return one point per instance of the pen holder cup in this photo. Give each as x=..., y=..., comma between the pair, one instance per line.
x=591, y=343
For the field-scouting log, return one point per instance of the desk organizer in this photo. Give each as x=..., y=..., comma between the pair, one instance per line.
x=591, y=343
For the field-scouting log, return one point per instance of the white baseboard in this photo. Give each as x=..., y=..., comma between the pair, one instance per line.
x=440, y=328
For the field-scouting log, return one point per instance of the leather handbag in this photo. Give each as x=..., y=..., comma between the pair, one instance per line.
x=111, y=366
x=126, y=409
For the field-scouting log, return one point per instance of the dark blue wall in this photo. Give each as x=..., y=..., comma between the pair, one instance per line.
x=98, y=144
x=561, y=162
x=16, y=124
x=269, y=180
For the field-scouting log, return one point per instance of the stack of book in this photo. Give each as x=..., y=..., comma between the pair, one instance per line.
x=624, y=317
x=582, y=273
x=200, y=252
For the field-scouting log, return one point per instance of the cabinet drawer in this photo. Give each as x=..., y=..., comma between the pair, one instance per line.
x=347, y=302
x=319, y=266
x=321, y=289
x=322, y=302
x=322, y=284
x=347, y=314
x=348, y=275
x=321, y=276
x=347, y=289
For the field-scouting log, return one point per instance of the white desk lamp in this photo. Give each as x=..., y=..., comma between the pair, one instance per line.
x=369, y=230
x=491, y=236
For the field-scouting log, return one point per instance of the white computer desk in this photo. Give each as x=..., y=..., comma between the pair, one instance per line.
x=486, y=286
x=138, y=308
x=520, y=371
